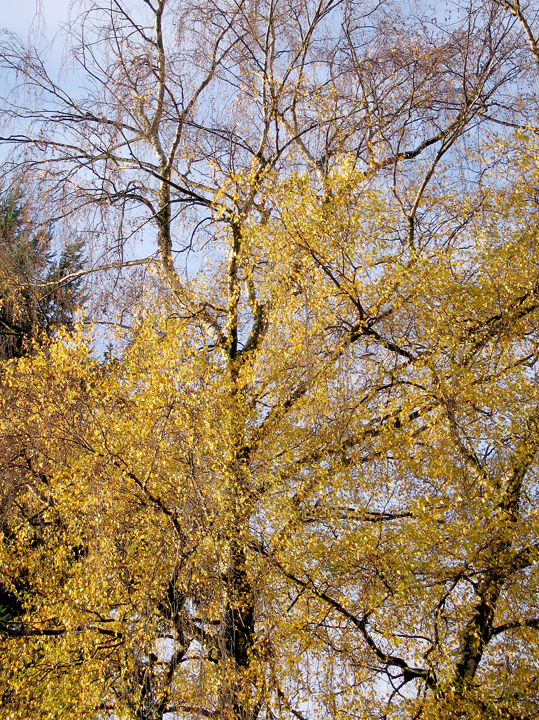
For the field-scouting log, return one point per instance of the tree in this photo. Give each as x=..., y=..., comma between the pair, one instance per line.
x=35, y=299
x=307, y=487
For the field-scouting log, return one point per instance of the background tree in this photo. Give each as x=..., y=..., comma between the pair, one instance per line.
x=308, y=486
x=34, y=302
x=34, y=298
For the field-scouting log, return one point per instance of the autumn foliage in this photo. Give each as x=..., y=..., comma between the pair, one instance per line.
x=303, y=481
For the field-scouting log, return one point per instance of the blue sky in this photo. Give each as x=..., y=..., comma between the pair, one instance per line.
x=21, y=16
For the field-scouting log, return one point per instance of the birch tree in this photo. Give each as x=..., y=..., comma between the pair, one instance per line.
x=306, y=485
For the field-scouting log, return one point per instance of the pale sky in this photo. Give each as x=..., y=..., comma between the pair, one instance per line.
x=19, y=15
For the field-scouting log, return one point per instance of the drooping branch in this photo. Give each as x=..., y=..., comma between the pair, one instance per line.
x=361, y=623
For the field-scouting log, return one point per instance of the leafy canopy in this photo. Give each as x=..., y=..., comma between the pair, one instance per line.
x=343, y=521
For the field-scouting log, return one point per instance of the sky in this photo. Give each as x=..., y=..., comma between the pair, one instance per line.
x=39, y=23
x=23, y=16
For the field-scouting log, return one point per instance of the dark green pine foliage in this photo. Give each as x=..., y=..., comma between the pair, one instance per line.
x=34, y=297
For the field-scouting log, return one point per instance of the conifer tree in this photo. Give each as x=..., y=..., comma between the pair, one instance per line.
x=34, y=300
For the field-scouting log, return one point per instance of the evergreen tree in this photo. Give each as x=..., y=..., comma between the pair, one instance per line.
x=34, y=297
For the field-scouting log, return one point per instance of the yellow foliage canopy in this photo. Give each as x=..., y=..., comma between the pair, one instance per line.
x=339, y=521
